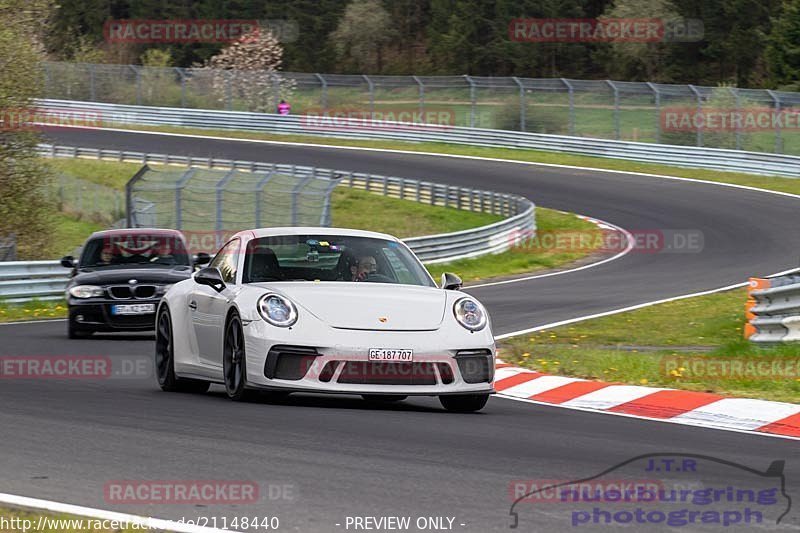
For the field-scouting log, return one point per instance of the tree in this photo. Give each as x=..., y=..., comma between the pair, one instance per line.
x=25, y=204
x=254, y=61
x=783, y=50
x=363, y=34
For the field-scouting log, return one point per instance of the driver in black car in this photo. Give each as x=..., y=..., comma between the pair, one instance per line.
x=365, y=266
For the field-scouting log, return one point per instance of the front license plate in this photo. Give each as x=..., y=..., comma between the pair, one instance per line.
x=388, y=354
x=133, y=309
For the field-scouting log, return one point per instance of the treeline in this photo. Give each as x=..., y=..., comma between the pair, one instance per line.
x=748, y=43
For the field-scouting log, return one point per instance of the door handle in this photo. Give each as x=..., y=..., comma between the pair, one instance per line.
x=193, y=305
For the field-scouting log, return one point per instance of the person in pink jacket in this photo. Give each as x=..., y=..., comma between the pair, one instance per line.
x=284, y=108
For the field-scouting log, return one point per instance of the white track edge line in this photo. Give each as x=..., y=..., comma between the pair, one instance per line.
x=642, y=417
x=88, y=512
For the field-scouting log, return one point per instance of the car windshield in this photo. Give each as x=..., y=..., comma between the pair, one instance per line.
x=134, y=251
x=332, y=258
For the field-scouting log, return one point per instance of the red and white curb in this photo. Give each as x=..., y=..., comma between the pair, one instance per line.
x=668, y=405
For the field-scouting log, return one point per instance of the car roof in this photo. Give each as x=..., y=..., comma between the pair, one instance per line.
x=136, y=231
x=312, y=230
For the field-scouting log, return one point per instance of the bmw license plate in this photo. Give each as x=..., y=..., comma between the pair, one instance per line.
x=390, y=354
x=133, y=309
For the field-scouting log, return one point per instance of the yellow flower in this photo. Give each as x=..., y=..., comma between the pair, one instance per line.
x=643, y=381
x=526, y=354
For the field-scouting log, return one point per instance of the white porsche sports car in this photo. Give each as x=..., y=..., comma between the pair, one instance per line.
x=324, y=310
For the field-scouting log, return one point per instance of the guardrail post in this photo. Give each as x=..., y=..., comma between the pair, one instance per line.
x=182, y=74
x=657, y=96
x=700, y=111
x=324, y=91
x=616, y=108
x=522, y=103
x=371, y=96
x=571, y=105
x=472, y=101
x=777, y=120
x=421, y=97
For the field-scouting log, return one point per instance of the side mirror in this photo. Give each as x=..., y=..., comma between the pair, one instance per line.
x=68, y=261
x=210, y=276
x=451, y=282
x=201, y=258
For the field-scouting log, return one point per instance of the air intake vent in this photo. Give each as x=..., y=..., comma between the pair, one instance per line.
x=289, y=362
x=475, y=365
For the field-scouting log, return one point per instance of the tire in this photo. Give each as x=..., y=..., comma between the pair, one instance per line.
x=73, y=332
x=165, y=360
x=464, y=403
x=234, y=363
x=384, y=398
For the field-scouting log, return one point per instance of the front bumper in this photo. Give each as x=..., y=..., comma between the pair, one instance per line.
x=337, y=362
x=95, y=314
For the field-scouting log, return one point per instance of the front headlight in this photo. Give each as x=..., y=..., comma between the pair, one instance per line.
x=470, y=314
x=277, y=310
x=85, y=291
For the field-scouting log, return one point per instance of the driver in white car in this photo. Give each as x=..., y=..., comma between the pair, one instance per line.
x=365, y=266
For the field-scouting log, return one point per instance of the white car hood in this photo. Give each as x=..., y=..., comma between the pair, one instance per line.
x=362, y=305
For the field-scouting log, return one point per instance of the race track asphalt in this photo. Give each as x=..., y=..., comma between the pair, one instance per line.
x=66, y=440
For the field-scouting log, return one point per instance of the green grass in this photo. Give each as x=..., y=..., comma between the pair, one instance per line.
x=353, y=208
x=102, y=172
x=70, y=232
x=35, y=310
x=534, y=156
x=522, y=259
x=635, y=347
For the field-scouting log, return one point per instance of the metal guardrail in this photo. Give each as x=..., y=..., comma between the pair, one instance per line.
x=773, y=309
x=22, y=281
x=683, y=156
x=46, y=280
x=608, y=109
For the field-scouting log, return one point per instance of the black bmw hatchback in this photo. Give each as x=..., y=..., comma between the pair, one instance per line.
x=121, y=276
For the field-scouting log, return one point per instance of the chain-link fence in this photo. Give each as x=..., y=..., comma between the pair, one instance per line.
x=209, y=204
x=717, y=117
x=8, y=248
x=87, y=200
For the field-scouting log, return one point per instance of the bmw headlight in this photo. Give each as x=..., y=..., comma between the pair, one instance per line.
x=277, y=310
x=470, y=314
x=85, y=291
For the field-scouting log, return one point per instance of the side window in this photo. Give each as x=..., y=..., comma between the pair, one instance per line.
x=401, y=271
x=226, y=260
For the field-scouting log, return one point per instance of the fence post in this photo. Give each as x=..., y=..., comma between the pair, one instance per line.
x=421, y=97
x=616, y=108
x=296, y=193
x=183, y=85
x=324, y=95
x=471, y=100
x=92, y=89
x=259, y=190
x=657, y=96
x=737, y=104
x=371, y=96
x=522, y=105
x=700, y=111
x=178, y=193
x=571, y=105
x=778, y=139
x=219, y=189
x=138, y=84
x=228, y=90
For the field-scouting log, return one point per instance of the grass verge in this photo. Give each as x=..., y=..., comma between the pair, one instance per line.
x=34, y=310
x=665, y=345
